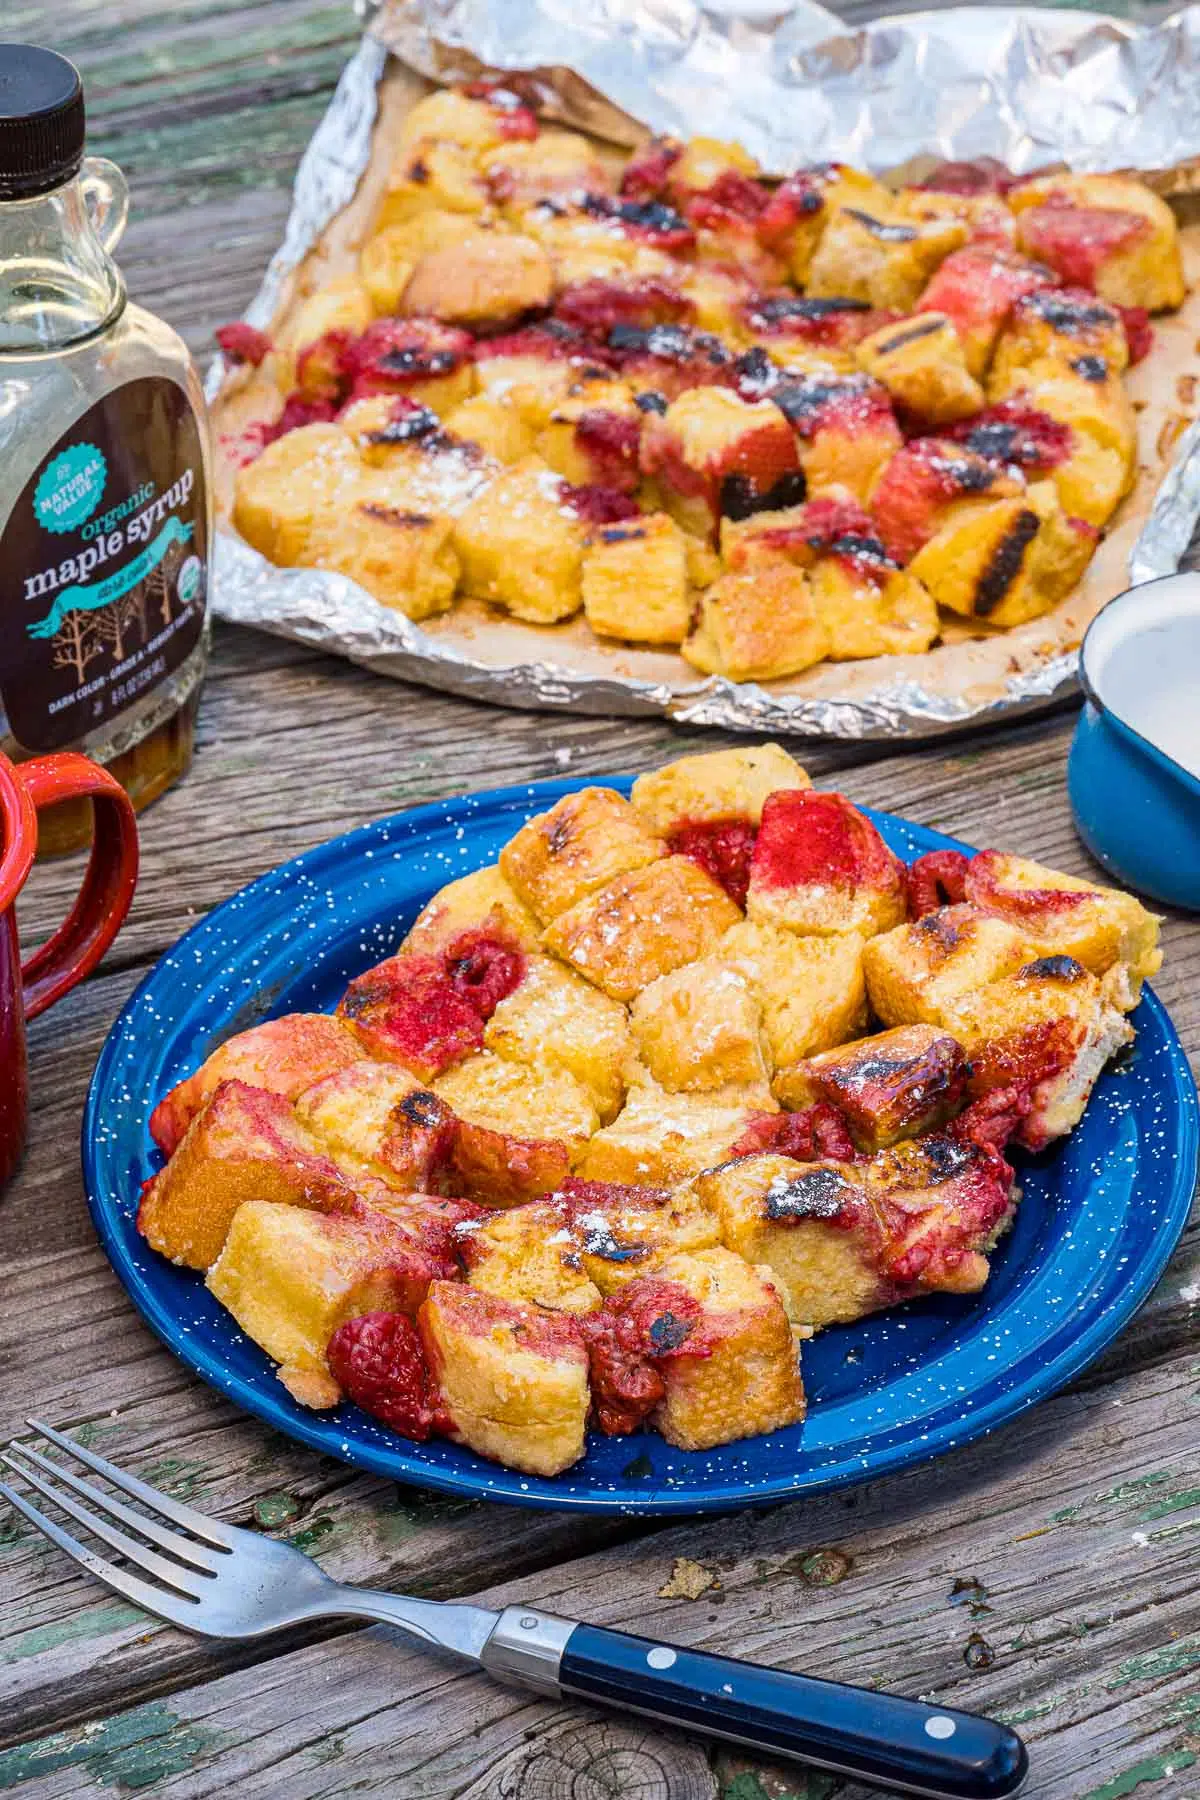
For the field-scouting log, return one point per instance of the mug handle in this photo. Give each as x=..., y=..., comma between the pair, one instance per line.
x=104, y=899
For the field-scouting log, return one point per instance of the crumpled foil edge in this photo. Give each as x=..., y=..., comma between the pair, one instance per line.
x=330, y=612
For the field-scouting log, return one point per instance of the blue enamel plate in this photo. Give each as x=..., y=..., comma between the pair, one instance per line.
x=1100, y=1217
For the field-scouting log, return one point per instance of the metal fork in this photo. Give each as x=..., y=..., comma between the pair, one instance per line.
x=223, y=1582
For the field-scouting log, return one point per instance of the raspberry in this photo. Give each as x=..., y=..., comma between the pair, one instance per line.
x=936, y=879
x=818, y=1134
x=721, y=847
x=483, y=971
x=378, y=1360
x=242, y=343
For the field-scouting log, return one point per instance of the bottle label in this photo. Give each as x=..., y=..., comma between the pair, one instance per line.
x=104, y=566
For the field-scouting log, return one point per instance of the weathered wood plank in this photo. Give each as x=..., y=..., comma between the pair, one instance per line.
x=1012, y=1580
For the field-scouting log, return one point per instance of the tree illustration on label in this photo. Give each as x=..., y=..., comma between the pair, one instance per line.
x=77, y=643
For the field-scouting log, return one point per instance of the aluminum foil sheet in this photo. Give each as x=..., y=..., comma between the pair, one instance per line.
x=1027, y=86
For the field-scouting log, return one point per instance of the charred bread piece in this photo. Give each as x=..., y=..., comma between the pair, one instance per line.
x=1060, y=324
x=712, y=453
x=897, y=1084
x=433, y=174
x=244, y=1143
x=658, y=1138
x=532, y=371
x=811, y=989
x=635, y=580
x=404, y=557
x=379, y=1116
x=483, y=903
x=642, y=925
x=795, y=217
x=1042, y=1037
x=555, y=1020
x=427, y=1012
x=290, y=1277
x=985, y=215
x=520, y=546
x=1109, y=233
x=1090, y=472
x=583, y=842
x=943, y=1203
x=528, y=1254
x=512, y=1381
x=819, y=865
x=880, y=257
x=1090, y=400
x=701, y=1027
x=844, y=425
x=515, y=1101
x=715, y=1334
x=799, y=332
x=421, y=360
x=757, y=625
x=593, y=434
x=922, y=363
x=977, y=288
x=284, y=1056
x=620, y=1231
x=1109, y=932
x=670, y=359
x=916, y=973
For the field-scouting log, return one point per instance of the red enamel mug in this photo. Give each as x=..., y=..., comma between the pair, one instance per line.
x=91, y=926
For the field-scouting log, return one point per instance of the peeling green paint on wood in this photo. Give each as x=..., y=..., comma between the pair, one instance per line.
x=1169, y=1659
x=136, y=1749
x=1187, y=1497
x=96, y=1622
x=1154, y=1768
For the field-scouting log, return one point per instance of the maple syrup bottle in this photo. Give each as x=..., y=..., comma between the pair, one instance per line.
x=105, y=499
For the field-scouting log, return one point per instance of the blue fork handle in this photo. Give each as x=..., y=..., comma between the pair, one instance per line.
x=901, y=1744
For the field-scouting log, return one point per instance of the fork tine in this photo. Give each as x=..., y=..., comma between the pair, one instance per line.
x=185, y=1581
x=159, y=1601
x=186, y=1549
x=221, y=1537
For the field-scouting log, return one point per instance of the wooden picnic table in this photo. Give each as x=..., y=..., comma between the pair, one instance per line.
x=1046, y=1575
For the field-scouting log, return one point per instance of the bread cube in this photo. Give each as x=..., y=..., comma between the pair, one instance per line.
x=531, y=371
x=917, y=972
x=922, y=363
x=520, y=547
x=933, y=490
x=404, y=559
x=701, y=1027
x=759, y=625
x=1061, y=324
x=736, y=1374
x=519, y=1101
x=340, y=307
x=1109, y=932
x=407, y=1010
x=483, y=904
x=513, y=1380
x=869, y=255
x=1090, y=469
x=819, y=865
x=813, y=1225
x=869, y=607
x=896, y=1084
x=621, y=1232
x=496, y=427
x=483, y=280
x=556, y=1020
x=660, y=1138
x=284, y=1056
x=530, y=1254
x=1045, y=1032
x=982, y=563
x=300, y=478
x=583, y=842
x=433, y=174
x=243, y=1144
x=592, y=435
x=985, y=215
x=290, y=1278
x=801, y=207
x=1110, y=233
x=846, y=429
x=1090, y=400
x=388, y=258
x=475, y=123
x=379, y=1115
x=942, y=1203
x=811, y=989
x=555, y=162
x=714, y=786
x=642, y=924
x=635, y=581
x=977, y=289
x=670, y=360
x=712, y=452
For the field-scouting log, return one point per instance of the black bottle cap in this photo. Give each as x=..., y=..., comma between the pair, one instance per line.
x=41, y=120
